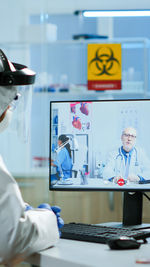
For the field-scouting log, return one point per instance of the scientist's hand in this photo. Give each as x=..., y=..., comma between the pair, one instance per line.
x=133, y=178
x=56, y=210
x=28, y=207
x=52, y=162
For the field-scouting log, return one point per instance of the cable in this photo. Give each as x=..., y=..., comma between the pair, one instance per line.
x=146, y=196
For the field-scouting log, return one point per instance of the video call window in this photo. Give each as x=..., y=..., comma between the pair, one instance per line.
x=100, y=145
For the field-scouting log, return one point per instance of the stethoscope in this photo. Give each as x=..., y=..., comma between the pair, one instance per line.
x=57, y=150
x=120, y=154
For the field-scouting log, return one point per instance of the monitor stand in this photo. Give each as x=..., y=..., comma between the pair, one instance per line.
x=132, y=212
x=132, y=208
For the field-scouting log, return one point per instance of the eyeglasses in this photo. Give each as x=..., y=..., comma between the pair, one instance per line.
x=129, y=136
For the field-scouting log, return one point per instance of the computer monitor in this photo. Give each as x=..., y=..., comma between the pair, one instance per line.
x=102, y=145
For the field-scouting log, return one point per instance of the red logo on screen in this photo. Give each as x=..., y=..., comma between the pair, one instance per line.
x=121, y=182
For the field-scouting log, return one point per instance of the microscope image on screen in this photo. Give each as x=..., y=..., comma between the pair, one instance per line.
x=100, y=144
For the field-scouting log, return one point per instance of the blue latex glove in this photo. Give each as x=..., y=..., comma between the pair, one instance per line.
x=56, y=210
x=28, y=207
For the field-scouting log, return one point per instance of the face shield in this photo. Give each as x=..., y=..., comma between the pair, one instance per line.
x=16, y=94
x=21, y=109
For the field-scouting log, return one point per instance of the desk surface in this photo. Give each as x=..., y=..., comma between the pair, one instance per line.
x=70, y=253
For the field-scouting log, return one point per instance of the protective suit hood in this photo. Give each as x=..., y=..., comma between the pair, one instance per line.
x=11, y=76
x=7, y=95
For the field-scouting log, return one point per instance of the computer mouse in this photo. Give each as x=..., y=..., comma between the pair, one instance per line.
x=123, y=242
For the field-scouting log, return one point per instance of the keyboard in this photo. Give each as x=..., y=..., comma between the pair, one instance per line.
x=99, y=233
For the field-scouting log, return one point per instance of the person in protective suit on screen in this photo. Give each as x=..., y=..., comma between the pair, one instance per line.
x=23, y=229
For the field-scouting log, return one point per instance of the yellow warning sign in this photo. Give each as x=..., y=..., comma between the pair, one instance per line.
x=104, y=66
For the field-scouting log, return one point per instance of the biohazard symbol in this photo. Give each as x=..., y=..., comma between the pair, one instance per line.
x=104, y=62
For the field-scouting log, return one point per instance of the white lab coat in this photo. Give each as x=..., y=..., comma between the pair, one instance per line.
x=22, y=233
x=115, y=164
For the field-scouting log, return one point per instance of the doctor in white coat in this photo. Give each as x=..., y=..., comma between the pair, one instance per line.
x=128, y=161
x=23, y=230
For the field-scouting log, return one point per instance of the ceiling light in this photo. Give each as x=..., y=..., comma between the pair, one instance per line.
x=113, y=13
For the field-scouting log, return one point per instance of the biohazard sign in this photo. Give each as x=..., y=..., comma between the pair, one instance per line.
x=104, y=66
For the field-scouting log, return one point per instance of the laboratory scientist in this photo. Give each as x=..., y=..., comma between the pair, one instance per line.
x=63, y=162
x=23, y=229
x=128, y=161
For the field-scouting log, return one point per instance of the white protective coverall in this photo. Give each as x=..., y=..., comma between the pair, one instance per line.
x=22, y=232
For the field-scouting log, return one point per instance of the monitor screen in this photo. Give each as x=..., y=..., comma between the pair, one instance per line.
x=100, y=145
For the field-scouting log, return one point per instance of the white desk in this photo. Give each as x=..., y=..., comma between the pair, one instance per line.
x=70, y=253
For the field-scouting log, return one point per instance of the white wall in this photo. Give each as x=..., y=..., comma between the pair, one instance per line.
x=71, y=5
x=15, y=14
